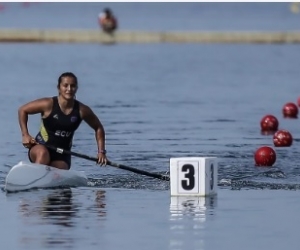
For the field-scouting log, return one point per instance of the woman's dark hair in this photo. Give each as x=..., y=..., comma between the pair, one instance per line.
x=107, y=11
x=66, y=74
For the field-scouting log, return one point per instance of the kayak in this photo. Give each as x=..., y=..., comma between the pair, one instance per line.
x=27, y=175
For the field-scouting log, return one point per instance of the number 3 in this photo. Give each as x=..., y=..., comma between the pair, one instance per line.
x=189, y=182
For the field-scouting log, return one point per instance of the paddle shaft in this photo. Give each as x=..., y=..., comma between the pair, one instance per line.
x=121, y=166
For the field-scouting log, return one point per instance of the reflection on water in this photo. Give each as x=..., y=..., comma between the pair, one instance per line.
x=100, y=203
x=56, y=208
x=187, y=221
x=194, y=207
x=60, y=209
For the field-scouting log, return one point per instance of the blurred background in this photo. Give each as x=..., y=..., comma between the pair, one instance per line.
x=194, y=16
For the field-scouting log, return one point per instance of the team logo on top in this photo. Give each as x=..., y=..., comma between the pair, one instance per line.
x=73, y=118
x=55, y=116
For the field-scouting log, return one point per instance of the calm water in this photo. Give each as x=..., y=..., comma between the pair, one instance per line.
x=157, y=101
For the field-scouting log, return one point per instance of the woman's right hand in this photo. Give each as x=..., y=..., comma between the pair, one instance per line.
x=28, y=141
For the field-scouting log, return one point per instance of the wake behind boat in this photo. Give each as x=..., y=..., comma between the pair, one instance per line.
x=26, y=175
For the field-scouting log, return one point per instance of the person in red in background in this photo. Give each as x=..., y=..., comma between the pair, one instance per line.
x=107, y=21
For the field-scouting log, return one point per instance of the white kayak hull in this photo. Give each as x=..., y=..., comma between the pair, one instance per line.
x=26, y=175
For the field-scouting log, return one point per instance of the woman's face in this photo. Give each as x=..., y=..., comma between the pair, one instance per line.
x=68, y=87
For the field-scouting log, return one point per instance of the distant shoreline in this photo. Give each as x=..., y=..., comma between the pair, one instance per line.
x=96, y=36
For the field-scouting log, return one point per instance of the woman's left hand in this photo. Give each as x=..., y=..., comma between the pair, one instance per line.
x=102, y=160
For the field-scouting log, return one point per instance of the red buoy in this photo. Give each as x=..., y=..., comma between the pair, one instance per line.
x=290, y=110
x=265, y=156
x=269, y=123
x=298, y=101
x=282, y=138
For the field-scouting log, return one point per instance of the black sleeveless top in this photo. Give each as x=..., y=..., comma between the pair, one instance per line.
x=58, y=129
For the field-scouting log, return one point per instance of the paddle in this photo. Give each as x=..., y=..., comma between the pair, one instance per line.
x=121, y=166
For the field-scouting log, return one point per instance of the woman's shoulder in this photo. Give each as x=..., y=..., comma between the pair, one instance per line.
x=84, y=109
x=44, y=100
x=82, y=106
